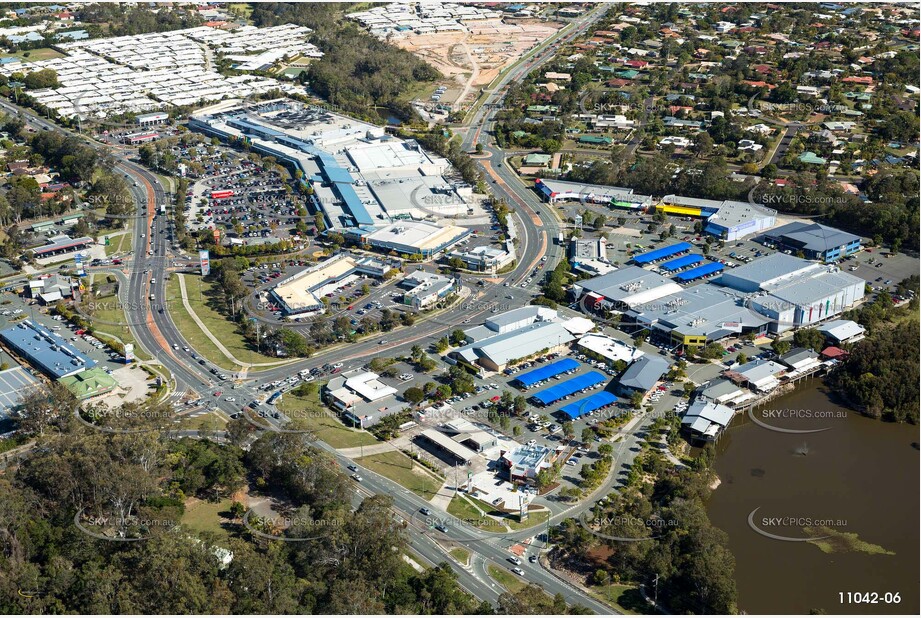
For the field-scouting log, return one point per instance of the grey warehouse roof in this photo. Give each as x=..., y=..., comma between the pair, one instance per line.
x=699, y=310
x=768, y=268
x=517, y=344
x=812, y=236
x=644, y=373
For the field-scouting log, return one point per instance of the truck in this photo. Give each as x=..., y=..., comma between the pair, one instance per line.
x=162, y=209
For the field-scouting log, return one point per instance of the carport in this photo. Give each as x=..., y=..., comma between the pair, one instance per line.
x=564, y=389
x=548, y=371
x=588, y=404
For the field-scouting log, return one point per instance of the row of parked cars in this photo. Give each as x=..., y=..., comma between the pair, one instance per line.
x=527, y=365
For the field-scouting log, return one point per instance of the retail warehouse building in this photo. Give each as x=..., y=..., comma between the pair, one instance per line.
x=794, y=292
x=373, y=188
x=728, y=219
x=815, y=241
x=45, y=350
x=517, y=335
x=770, y=295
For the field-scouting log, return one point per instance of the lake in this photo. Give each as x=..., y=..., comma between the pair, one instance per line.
x=857, y=476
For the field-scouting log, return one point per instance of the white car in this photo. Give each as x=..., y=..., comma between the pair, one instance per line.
x=230, y=399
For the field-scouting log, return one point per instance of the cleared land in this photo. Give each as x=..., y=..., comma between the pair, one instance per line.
x=476, y=511
x=203, y=422
x=627, y=598
x=33, y=55
x=401, y=469
x=204, y=296
x=472, y=60
x=110, y=319
x=203, y=516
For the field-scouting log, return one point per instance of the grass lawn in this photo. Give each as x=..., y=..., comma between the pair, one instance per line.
x=33, y=55
x=460, y=554
x=205, y=422
x=109, y=313
x=625, y=597
x=505, y=578
x=310, y=413
x=120, y=243
x=461, y=508
x=190, y=330
x=511, y=519
x=241, y=8
x=204, y=297
x=401, y=469
x=202, y=516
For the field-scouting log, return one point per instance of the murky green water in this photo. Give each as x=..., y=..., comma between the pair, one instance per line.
x=860, y=476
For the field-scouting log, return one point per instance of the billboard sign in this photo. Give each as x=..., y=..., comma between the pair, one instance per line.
x=205, y=262
x=129, y=352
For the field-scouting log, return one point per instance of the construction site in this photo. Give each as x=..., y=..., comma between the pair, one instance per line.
x=471, y=60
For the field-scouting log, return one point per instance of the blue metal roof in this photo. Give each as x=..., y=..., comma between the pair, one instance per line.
x=564, y=389
x=662, y=253
x=701, y=271
x=336, y=174
x=354, y=205
x=547, y=371
x=589, y=404
x=681, y=262
x=45, y=350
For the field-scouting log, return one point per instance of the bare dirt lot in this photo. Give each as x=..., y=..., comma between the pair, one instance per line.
x=471, y=60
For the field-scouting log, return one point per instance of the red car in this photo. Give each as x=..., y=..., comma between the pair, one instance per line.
x=218, y=393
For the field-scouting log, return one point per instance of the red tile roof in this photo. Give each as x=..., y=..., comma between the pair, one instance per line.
x=833, y=352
